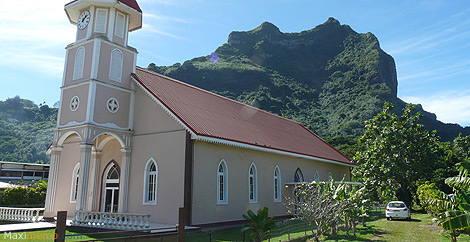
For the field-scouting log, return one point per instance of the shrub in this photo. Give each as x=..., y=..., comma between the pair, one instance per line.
x=426, y=193
x=34, y=195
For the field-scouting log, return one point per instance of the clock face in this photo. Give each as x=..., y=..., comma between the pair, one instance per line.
x=83, y=20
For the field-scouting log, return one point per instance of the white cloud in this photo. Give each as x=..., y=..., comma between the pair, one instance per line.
x=449, y=106
x=167, y=18
x=150, y=28
x=32, y=37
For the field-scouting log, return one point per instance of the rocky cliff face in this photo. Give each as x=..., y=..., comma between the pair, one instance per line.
x=329, y=78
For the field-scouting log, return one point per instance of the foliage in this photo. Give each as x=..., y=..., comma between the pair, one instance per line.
x=398, y=153
x=315, y=204
x=426, y=193
x=330, y=78
x=462, y=147
x=260, y=224
x=324, y=204
x=455, y=217
x=26, y=195
x=25, y=130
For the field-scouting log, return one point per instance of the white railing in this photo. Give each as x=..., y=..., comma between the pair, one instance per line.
x=120, y=221
x=20, y=214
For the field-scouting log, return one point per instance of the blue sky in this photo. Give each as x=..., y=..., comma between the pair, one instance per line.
x=429, y=40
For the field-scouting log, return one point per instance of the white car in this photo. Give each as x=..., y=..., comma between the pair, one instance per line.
x=397, y=209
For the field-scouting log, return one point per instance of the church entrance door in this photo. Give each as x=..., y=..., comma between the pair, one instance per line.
x=110, y=193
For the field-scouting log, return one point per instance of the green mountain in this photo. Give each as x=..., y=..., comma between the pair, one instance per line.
x=25, y=130
x=329, y=78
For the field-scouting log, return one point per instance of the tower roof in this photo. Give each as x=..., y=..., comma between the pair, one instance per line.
x=215, y=118
x=131, y=7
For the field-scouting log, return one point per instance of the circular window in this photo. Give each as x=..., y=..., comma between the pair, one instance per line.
x=113, y=105
x=74, y=103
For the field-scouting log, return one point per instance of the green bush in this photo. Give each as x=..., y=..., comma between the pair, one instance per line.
x=21, y=196
x=426, y=193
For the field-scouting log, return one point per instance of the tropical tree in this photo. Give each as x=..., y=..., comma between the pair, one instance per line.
x=317, y=204
x=260, y=224
x=397, y=153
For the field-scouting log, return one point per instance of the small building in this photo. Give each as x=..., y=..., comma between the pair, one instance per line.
x=130, y=141
x=15, y=171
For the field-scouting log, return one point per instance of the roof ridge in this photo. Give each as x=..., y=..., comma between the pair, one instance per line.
x=215, y=94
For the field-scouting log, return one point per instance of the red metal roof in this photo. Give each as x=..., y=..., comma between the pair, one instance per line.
x=211, y=115
x=131, y=3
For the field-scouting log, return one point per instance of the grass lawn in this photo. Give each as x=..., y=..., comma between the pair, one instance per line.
x=420, y=228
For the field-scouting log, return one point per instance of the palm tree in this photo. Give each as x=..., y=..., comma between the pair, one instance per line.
x=260, y=224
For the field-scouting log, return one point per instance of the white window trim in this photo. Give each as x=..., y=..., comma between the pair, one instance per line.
x=78, y=73
x=316, y=178
x=105, y=20
x=255, y=184
x=120, y=35
x=225, y=177
x=300, y=174
x=74, y=183
x=105, y=180
x=111, y=63
x=278, y=184
x=146, y=180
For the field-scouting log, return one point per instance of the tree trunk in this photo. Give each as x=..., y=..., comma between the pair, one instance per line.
x=363, y=222
x=405, y=195
x=354, y=228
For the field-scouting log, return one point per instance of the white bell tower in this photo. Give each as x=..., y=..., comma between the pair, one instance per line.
x=97, y=94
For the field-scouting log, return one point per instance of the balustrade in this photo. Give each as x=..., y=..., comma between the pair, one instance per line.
x=20, y=214
x=120, y=221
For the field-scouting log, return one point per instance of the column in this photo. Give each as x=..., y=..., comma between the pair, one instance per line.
x=93, y=200
x=52, y=181
x=85, y=156
x=124, y=179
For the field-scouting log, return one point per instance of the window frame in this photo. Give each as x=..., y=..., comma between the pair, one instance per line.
x=300, y=175
x=79, y=64
x=277, y=183
x=111, y=67
x=74, y=185
x=105, y=21
x=316, y=177
x=117, y=26
x=255, y=184
x=224, y=175
x=147, y=174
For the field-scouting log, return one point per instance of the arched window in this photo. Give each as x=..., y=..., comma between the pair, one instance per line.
x=222, y=183
x=110, y=193
x=298, y=177
x=151, y=182
x=316, y=178
x=74, y=188
x=115, y=68
x=252, y=184
x=277, y=184
x=79, y=63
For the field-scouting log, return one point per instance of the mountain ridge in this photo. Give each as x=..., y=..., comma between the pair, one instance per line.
x=329, y=78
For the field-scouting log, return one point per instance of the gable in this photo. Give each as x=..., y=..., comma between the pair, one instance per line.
x=149, y=117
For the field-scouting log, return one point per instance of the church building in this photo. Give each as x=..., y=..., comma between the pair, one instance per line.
x=131, y=141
